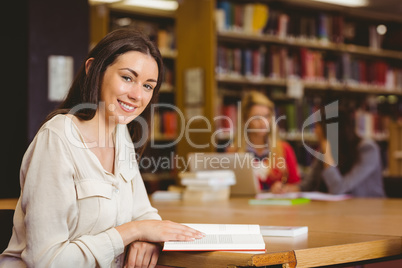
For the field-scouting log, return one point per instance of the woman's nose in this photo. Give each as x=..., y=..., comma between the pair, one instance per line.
x=135, y=92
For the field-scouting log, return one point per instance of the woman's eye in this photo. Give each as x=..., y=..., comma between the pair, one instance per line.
x=127, y=78
x=148, y=87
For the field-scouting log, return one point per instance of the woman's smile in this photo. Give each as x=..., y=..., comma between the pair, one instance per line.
x=126, y=107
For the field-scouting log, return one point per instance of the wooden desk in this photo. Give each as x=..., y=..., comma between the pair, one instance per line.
x=8, y=203
x=339, y=232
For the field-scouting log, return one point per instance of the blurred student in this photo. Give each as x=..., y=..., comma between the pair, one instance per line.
x=275, y=161
x=83, y=202
x=358, y=171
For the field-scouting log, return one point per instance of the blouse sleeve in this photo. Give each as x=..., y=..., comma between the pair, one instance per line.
x=291, y=163
x=48, y=203
x=142, y=207
x=338, y=184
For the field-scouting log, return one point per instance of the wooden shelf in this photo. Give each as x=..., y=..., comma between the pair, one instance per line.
x=308, y=43
x=159, y=13
x=308, y=85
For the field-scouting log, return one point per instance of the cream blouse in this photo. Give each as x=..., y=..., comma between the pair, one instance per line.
x=69, y=205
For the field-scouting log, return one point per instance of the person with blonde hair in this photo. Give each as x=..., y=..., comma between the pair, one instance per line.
x=274, y=159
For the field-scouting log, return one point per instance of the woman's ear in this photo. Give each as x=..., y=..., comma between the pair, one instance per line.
x=88, y=64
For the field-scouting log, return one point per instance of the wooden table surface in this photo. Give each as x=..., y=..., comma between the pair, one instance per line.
x=8, y=203
x=339, y=232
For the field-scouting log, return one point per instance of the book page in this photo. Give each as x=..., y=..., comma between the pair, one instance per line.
x=237, y=237
x=226, y=228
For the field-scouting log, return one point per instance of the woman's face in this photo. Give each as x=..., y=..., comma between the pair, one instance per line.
x=259, y=120
x=128, y=86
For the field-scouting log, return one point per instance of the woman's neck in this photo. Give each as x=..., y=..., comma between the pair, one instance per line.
x=99, y=130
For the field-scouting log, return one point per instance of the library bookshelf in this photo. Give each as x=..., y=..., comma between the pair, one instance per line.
x=201, y=35
x=208, y=39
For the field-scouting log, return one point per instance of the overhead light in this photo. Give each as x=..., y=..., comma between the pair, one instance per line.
x=157, y=4
x=349, y=3
x=381, y=29
x=103, y=1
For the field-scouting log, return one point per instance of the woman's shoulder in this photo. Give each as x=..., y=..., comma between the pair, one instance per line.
x=60, y=124
x=369, y=148
x=367, y=143
x=56, y=122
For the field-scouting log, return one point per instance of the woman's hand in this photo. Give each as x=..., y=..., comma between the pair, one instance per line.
x=327, y=151
x=291, y=188
x=156, y=231
x=142, y=254
x=277, y=187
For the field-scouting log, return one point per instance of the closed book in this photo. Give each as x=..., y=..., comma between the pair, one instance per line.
x=260, y=18
x=248, y=18
x=194, y=194
x=283, y=230
x=210, y=181
x=207, y=174
x=227, y=7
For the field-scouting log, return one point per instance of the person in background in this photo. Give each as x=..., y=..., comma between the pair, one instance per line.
x=358, y=171
x=83, y=202
x=276, y=163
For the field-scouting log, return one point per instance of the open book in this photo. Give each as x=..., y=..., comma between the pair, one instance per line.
x=227, y=237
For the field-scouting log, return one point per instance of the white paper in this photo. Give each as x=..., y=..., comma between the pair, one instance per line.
x=295, y=88
x=60, y=76
x=194, y=86
x=283, y=230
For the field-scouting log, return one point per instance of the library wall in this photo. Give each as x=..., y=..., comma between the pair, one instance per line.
x=38, y=29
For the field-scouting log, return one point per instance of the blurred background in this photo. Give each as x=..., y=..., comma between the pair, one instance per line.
x=300, y=53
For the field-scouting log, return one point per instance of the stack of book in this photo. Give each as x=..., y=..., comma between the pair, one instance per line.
x=207, y=185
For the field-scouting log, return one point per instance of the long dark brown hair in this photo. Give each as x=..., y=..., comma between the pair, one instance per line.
x=348, y=144
x=86, y=87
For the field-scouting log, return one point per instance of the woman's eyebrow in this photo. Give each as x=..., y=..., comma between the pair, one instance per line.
x=130, y=70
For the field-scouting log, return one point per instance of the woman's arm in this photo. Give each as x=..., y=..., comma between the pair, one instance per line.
x=338, y=184
x=49, y=210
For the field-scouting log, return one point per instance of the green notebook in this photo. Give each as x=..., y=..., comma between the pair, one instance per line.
x=279, y=201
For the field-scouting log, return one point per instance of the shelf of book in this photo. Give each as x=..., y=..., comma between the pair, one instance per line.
x=314, y=85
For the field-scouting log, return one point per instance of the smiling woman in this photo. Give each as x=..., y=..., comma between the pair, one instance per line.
x=83, y=202
x=128, y=86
